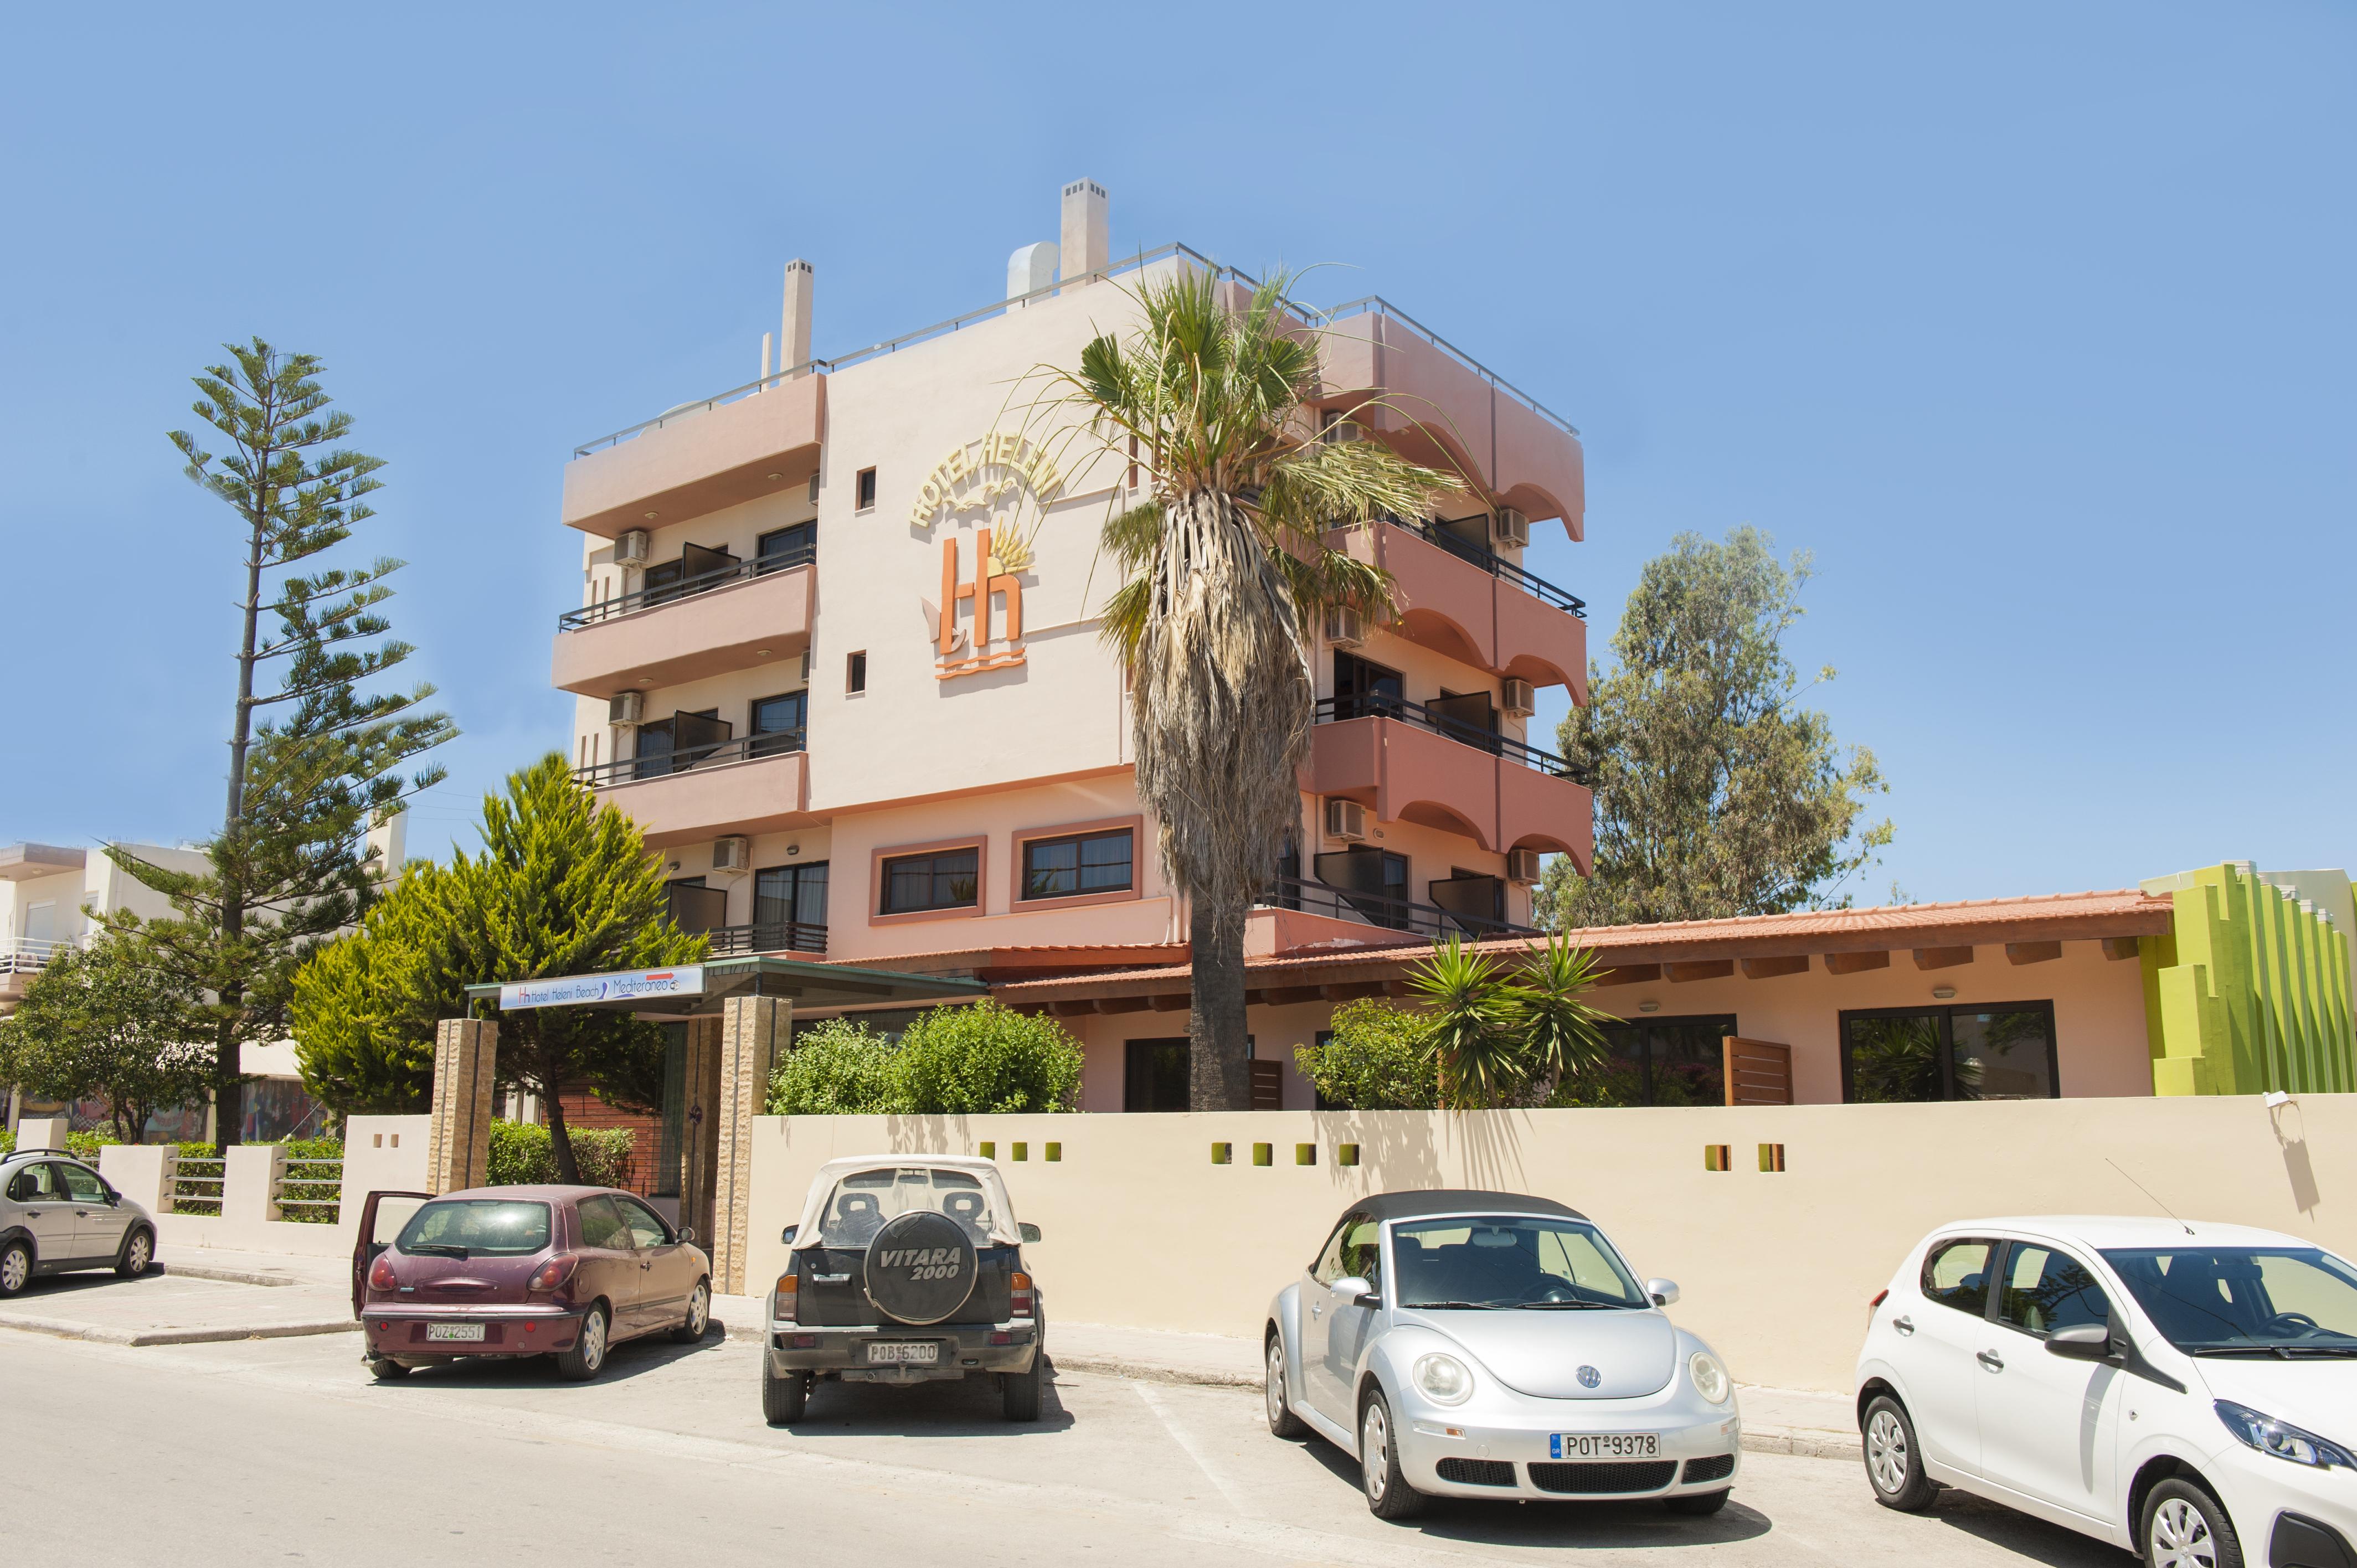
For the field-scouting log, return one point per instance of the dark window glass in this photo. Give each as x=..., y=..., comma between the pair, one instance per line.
x=696, y=907
x=1956, y=1273
x=1328, y=1266
x=1362, y=688
x=1979, y=1052
x=83, y=1185
x=1893, y=1059
x=661, y=583
x=483, y=1227
x=602, y=1225
x=855, y=672
x=1155, y=1076
x=777, y=723
x=867, y=487
x=786, y=547
x=2003, y=1055
x=1090, y=863
x=2237, y=1298
x=2046, y=1290
x=653, y=759
x=674, y=1110
x=943, y=881
x=791, y=895
x=647, y=1230
x=1657, y=1061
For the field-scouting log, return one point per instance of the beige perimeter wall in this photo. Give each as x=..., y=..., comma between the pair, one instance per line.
x=1143, y=1230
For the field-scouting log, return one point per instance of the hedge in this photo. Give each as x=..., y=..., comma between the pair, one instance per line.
x=522, y=1154
x=952, y=1061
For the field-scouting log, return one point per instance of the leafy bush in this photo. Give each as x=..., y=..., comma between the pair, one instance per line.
x=1381, y=1057
x=197, y=1196
x=313, y=1182
x=522, y=1154
x=837, y=1068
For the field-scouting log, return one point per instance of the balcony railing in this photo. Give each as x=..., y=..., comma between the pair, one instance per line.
x=1496, y=565
x=30, y=955
x=1437, y=718
x=686, y=588
x=785, y=935
x=1427, y=920
x=662, y=764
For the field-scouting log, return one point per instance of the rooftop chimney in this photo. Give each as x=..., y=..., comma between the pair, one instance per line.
x=794, y=323
x=1088, y=243
x=1030, y=269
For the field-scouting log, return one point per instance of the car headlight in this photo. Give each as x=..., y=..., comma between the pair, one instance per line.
x=2282, y=1439
x=1442, y=1379
x=1710, y=1378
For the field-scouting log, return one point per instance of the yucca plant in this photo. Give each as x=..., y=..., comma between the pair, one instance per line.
x=1226, y=568
x=1475, y=1028
x=1560, y=1031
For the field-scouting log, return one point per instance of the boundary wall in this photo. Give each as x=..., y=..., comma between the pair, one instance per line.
x=1143, y=1230
x=380, y=1152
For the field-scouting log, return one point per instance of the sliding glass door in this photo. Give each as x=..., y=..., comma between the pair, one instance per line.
x=1895, y=1054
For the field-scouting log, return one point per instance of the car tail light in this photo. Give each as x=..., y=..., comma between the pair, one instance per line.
x=380, y=1274
x=1879, y=1297
x=788, y=1295
x=1026, y=1302
x=554, y=1273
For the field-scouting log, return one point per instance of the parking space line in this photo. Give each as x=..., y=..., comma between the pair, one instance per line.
x=1159, y=1405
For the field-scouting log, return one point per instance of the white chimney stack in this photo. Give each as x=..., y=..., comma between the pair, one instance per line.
x=1088, y=242
x=1030, y=269
x=794, y=324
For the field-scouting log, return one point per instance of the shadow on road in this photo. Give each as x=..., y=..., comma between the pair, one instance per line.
x=2032, y=1539
x=631, y=1359
x=967, y=1408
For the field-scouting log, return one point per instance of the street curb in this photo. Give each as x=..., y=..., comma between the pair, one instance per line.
x=230, y=1277
x=66, y=1329
x=1809, y=1443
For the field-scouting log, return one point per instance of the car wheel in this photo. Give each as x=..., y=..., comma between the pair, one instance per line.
x=580, y=1364
x=2186, y=1527
x=1388, y=1494
x=1894, y=1462
x=15, y=1267
x=699, y=1315
x=1700, y=1505
x=784, y=1395
x=138, y=1251
x=385, y=1370
x=1018, y=1392
x=1282, y=1422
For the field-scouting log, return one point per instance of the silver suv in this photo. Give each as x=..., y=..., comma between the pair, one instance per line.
x=57, y=1214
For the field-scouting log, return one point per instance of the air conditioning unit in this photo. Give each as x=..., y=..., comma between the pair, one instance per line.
x=630, y=547
x=1511, y=528
x=1346, y=820
x=1518, y=698
x=734, y=853
x=1340, y=429
x=1523, y=865
x=1345, y=627
x=626, y=708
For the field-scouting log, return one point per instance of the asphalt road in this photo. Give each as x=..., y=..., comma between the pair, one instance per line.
x=283, y=1451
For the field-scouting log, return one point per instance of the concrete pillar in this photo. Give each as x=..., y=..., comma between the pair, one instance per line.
x=1088, y=227
x=794, y=321
x=250, y=1179
x=699, y=1145
x=141, y=1172
x=42, y=1132
x=1030, y=269
x=466, y=1052
x=753, y=1030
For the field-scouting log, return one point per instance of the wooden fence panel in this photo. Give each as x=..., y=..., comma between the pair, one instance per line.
x=1758, y=1072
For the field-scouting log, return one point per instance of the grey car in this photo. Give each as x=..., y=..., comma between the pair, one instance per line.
x=57, y=1214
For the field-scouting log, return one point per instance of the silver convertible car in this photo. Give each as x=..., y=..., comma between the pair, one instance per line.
x=1488, y=1345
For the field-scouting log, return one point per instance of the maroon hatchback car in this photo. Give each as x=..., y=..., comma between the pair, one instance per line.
x=566, y=1272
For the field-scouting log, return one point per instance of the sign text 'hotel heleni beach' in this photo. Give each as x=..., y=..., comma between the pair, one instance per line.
x=681, y=980
x=995, y=473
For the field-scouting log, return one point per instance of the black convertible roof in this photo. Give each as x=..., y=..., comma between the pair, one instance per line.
x=1389, y=1206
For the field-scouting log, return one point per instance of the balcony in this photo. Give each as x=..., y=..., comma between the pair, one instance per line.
x=744, y=614
x=1440, y=765
x=740, y=446
x=22, y=958
x=1430, y=922
x=1434, y=404
x=1463, y=600
x=703, y=910
x=752, y=784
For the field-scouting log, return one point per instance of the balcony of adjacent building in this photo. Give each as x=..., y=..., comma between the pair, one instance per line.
x=709, y=612
x=690, y=777
x=1445, y=764
x=758, y=440
x=1461, y=598
x=789, y=913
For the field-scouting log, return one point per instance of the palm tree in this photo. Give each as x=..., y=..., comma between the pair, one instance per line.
x=1227, y=568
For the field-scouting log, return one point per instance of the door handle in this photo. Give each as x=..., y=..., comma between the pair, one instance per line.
x=1316, y=1307
x=82, y=1214
x=1991, y=1359
x=1904, y=1325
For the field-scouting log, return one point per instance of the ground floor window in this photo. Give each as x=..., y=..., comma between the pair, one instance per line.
x=1079, y=865
x=1660, y=1062
x=948, y=880
x=1155, y=1075
x=1897, y=1055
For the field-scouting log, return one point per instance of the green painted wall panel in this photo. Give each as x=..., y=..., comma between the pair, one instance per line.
x=2249, y=993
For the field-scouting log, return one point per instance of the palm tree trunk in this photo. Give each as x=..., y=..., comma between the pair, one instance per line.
x=1219, y=1051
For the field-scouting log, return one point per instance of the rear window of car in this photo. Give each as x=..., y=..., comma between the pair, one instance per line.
x=476, y=1227
x=863, y=1201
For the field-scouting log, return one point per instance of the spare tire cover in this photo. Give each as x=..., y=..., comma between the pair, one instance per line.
x=920, y=1267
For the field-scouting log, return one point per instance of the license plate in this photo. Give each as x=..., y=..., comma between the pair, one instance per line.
x=1604, y=1445
x=454, y=1331
x=913, y=1354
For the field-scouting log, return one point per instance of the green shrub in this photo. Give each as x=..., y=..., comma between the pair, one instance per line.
x=837, y=1068
x=1380, y=1058
x=191, y=1196
x=522, y=1154
x=312, y=1182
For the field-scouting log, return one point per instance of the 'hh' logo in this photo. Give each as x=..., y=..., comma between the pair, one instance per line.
x=988, y=581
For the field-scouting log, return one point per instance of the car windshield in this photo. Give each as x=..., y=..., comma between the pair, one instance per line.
x=476, y=1227
x=863, y=1201
x=1509, y=1261
x=2284, y=1302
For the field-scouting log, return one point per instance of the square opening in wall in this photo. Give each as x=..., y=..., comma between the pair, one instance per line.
x=865, y=490
x=1718, y=1156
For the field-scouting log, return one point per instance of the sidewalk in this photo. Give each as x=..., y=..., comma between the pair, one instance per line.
x=193, y=1297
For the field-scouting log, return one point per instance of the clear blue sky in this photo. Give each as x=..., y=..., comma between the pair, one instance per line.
x=2032, y=322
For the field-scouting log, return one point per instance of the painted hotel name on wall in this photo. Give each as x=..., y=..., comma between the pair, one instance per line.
x=995, y=474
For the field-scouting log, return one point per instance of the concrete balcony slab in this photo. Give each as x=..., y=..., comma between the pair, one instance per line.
x=1405, y=773
x=750, y=622
x=700, y=460
x=1453, y=607
x=764, y=795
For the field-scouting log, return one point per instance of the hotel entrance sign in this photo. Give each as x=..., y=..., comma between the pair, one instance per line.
x=683, y=980
x=994, y=475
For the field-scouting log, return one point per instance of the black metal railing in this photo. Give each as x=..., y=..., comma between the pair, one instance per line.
x=661, y=765
x=782, y=936
x=686, y=588
x=1403, y=914
x=1492, y=562
x=1437, y=718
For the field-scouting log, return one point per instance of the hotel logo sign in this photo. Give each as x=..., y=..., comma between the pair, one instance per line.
x=994, y=475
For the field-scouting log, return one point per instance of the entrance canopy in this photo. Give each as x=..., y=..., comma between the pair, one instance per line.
x=688, y=989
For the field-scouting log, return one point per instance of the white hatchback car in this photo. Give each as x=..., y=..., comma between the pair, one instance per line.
x=2187, y=1391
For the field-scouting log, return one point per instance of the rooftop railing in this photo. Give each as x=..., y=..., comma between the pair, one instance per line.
x=686, y=588
x=662, y=764
x=1496, y=566
x=1404, y=914
x=1441, y=721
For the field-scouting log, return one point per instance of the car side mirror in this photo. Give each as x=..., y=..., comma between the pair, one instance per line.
x=2089, y=1342
x=1369, y=1300
x=1351, y=1287
x=1663, y=1291
x=787, y=1235
x=687, y=1232
x=1028, y=1231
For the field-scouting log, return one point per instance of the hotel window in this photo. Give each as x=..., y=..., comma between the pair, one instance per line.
x=789, y=907
x=779, y=724
x=855, y=672
x=1082, y=864
x=946, y=879
x=1658, y=1061
x=784, y=547
x=1155, y=1074
x=865, y=490
x=1982, y=1052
